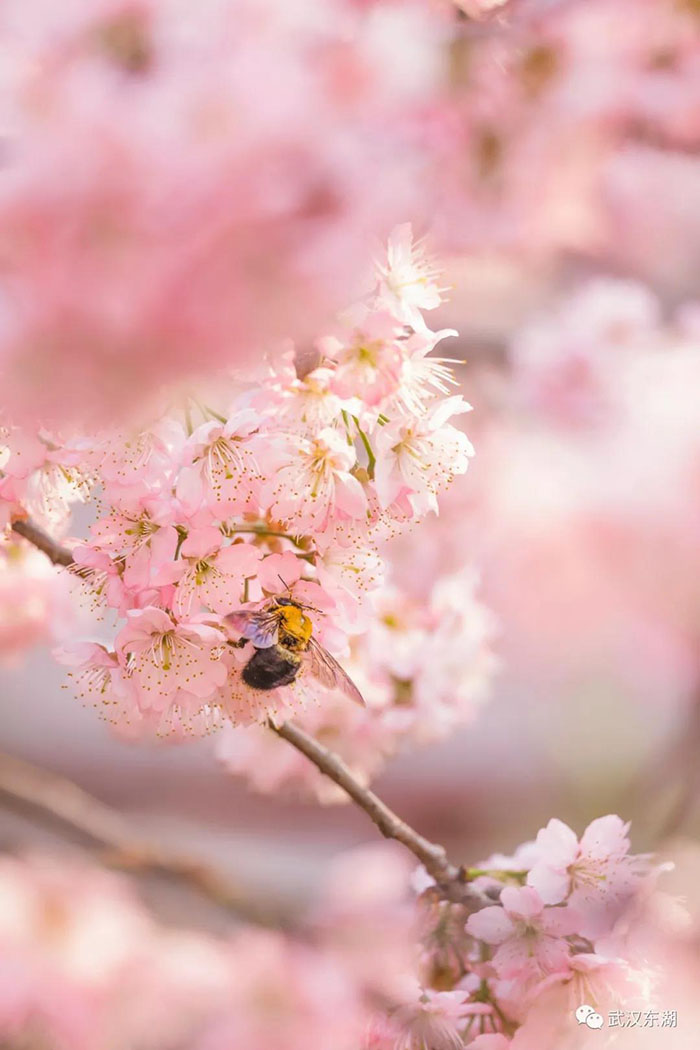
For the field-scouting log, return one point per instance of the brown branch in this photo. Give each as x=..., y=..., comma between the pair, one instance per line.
x=54, y=797
x=431, y=855
x=33, y=534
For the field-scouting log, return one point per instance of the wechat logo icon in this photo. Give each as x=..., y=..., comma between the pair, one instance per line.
x=588, y=1016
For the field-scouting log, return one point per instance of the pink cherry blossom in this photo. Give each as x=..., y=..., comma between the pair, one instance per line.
x=607, y=983
x=170, y=662
x=593, y=875
x=136, y=466
x=215, y=399
x=434, y=1020
x=314, y=481
x=213, y=575
x=99, y=679
x=369, y=361
x=221, y=471
x=277, y=486
x=527, y=935
x=23, y=452
x=35, y=602
x=422, y=457
x=200, y=232
x=423, y=376
x=408, y=279
x=102, y=575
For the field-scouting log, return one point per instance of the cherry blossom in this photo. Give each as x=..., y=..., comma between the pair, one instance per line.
x=369, y=365
x=168, y=661
x=433, y=1020
x=422, y=457
x=408, y=278
x=526, y=934
x=212, y=574
x=35, y=602
x=220, y=469
x=201, y=233
x=596, y=872
x=314, y=482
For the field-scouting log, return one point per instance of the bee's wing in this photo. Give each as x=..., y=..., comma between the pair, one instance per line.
x=260, y=627
x=319, y=663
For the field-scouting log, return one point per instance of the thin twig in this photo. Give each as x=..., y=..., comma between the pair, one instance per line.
x=55, y=797
x=33, y=534
x=431, y=855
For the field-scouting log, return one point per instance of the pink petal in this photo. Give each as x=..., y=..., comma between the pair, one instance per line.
x=552, y=885
x=241, y=559
x=350, y=496
x=552, y=953
x=163, y=545
x=277, y=568
x=387, y=483
x=490, y=1041
x=605, y=837
x=190, y=489
x=170, y=572
x=201, y=542
x=137, y=572
x=560, y=922
x=513, y=956
x=491, y=925
x=141, y=624
x=28, y=453
x=557, y=844
x=524, y=903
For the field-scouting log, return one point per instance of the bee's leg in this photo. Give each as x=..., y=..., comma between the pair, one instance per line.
x=240, y=643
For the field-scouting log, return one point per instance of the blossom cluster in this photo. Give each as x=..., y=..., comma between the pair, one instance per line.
x=512, y=973
x=286, y=485
x=84, y=966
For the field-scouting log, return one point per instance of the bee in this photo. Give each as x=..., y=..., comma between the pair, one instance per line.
x=284, y=647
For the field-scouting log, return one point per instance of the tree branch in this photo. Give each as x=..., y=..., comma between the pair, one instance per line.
x=432, y=856
x=33, y=534
x=54, y=797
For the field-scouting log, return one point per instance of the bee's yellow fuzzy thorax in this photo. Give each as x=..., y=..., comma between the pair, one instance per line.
x=296, y=624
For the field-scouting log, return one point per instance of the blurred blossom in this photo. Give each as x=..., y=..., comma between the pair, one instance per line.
x=192, y=222
x=35, y=605
x=217, y=180
x=83, y=965
x=583, y=507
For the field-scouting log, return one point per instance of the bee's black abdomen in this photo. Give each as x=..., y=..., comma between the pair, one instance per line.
x=270, y=668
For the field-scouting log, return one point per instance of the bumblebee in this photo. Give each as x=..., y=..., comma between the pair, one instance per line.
x=284, y=647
